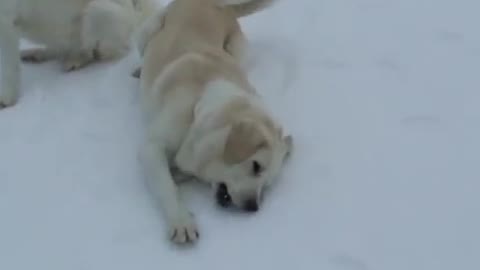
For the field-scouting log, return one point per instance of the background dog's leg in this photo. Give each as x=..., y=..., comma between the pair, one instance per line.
x=38, y=55
x=107, y=27
x=181, y=222
x=10, y=63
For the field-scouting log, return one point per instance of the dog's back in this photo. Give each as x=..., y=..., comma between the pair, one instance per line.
x=188, y=25
x=194, y=26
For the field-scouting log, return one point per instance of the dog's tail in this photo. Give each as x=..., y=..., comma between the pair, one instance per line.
x=243, y=8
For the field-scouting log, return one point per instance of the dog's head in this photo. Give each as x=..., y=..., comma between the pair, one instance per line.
x=252, y=157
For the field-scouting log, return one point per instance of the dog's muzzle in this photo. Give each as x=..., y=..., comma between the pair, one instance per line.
x=225, y=200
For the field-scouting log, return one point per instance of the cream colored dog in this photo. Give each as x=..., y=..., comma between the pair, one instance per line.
x=204, y=118
x=76, y=31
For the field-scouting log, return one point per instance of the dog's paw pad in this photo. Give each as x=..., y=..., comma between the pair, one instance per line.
x=184, y=232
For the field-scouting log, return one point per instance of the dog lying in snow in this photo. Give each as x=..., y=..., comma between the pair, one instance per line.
x=76, y=31
x=203, y=116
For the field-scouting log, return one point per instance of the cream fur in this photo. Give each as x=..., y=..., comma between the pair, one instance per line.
x=204, y=116
x=78, y=32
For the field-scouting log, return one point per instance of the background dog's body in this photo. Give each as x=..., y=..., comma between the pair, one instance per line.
x=204, y=116
x=76, y=31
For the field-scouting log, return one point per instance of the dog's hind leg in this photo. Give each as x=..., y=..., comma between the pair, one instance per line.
x=10, y=63
x=236, y=44
x=151, y=25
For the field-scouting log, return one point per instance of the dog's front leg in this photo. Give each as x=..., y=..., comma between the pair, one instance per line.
x=10, y=63
x=182, y=226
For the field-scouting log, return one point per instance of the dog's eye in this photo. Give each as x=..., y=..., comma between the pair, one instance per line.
x=256, y=168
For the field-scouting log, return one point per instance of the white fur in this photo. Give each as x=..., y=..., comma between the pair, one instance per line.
x=203, y=116
x=187, y=145
x=77, y=32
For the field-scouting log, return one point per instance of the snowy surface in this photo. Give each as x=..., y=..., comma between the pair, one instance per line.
x=381, y=96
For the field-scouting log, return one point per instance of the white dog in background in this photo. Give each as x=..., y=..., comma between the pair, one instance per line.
x=204, y=118
x=77, y=32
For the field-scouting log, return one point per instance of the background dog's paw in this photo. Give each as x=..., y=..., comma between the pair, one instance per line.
x=72, y=64
x=137, y=73
x=7, y=98
x=36, y=55
x=184, y=230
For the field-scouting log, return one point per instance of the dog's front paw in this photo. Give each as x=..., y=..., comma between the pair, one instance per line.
x=8, y=97
x=184, y=230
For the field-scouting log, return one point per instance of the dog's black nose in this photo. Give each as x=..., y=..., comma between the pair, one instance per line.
x=251, y=205
x=223, y=198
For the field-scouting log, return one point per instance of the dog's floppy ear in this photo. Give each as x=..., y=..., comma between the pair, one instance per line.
x=244, y=140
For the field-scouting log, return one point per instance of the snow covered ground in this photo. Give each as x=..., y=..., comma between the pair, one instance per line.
x=381, y=96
